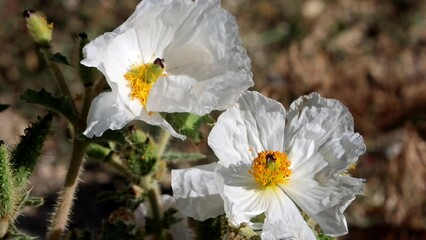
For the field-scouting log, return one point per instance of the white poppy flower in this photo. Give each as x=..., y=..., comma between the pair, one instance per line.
x=179, y=230
x=270, y=161
x=169, y=56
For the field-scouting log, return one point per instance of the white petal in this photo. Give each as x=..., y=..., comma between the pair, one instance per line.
x=341, y=152
x=205, y=49
x=314, y=117
x=157, y=120
x=255, y=124
x=283, y=219
x=329, y=124
x=242, y=198
x=196, y=192
x=107, y=111
x=325, y=201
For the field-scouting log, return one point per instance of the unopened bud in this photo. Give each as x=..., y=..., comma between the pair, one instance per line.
x=40, y=30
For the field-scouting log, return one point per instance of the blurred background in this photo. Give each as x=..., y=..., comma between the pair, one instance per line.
x=369, y=54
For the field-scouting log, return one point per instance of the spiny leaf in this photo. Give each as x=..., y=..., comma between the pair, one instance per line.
x=59, y=58
x=34, y=202
x=182, y=157
x=15, y=234
x=26, y=153
x=62, y=105
x=4, y=107
x=187, y=124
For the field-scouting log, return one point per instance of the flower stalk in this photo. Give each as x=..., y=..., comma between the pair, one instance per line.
x=65, y=201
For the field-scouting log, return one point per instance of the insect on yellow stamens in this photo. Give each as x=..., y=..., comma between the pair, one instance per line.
x=141, y=78
x=270, y=168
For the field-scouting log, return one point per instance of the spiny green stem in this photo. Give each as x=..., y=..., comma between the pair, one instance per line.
x=65, y=201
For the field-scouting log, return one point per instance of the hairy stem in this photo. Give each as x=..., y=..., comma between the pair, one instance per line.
x=157, y=211
x=163, y=142
x=65, y=200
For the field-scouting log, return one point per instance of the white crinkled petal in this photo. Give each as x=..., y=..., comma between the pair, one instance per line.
x=196, y=192
x=242, y=199
x=254, y=124
x=283, y=219
x=107, y=111
x=157, y=120
x=326, y=201
x=206, y=48
x=317, y=118
x=329, y=124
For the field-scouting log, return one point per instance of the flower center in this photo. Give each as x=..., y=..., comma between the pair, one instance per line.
x=270, y=168
x=141, y=78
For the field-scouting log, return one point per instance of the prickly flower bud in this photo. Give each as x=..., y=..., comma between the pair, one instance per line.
x=37, y=25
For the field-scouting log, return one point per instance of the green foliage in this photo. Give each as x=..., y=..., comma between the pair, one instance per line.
x=211, y=228
x=182, y=157
x=80, y=235
x=4, y=107
x=33, y=201
x=188, y=124
x=87, y=74
x=59, y=58
x=321, y=236
x=26, y=153
x=62, y=105
x=118, y=230
x=110, y=136
x=141, y=158
x=96, y=151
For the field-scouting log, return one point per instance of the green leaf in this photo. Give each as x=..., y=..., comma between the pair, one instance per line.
x=59, y=58
x=110, y=136
x=26, y=153
x=34, y=202
x=182, y=157
x=62, y=105
x=321, y=236
x=4, y=107
x=187, y=124
x=96, y=151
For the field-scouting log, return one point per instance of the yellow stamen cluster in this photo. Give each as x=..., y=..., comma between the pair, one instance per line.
x=141, y=78
x=270, y=168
